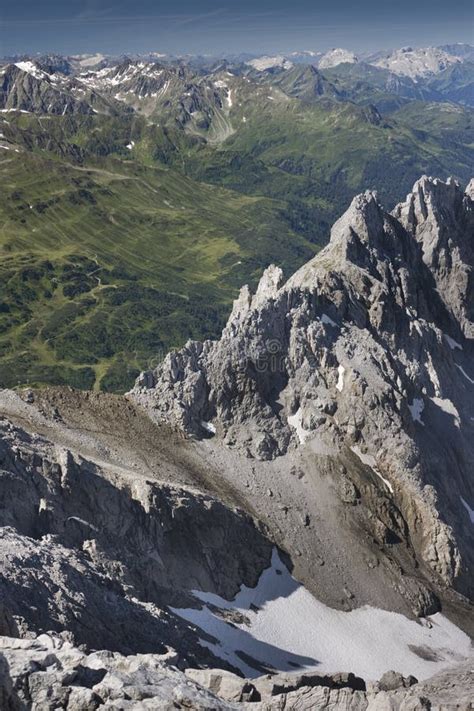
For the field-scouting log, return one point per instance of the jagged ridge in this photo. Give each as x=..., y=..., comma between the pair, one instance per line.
x=367, y=348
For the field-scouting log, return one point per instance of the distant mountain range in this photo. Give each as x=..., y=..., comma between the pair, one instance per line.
x=405, y=61
x=85, y=84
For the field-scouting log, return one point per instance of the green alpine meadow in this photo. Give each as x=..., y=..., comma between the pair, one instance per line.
x=136, y=198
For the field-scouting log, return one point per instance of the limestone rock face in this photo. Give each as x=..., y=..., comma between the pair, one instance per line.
x=441, y=220
x=49, y=672
x=103, y=558
x=366, y=350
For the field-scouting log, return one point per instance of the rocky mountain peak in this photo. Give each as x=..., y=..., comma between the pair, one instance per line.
x=27, y=87
x=270, y=283
x=375, y=263
x=364, y=350
x=439, y=215
x=266, y=63
x=363, y=221
x=364, y=238
x=470, y=189
x=417, y=62
x=337, y=56
x=429, y=199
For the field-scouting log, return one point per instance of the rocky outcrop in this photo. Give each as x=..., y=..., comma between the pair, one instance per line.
x=102, y=556
x=49, y=672
x=365, y=352
x=440, y=218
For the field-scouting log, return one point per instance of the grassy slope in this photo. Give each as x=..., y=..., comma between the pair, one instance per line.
x=285, y=147
x=102, y=267
x=124, y=254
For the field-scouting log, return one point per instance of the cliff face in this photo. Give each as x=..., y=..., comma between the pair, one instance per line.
x=100, y=549
x=366, y=351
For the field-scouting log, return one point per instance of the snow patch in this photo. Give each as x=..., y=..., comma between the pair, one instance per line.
x=416, y=409
x=369, y=461
x=295, y=422
x=448, y=407
x=31, y=68
x=328, y=320
x=464, y=373
x=340, y=381
x=468, y=509
x=284, y=626
x=164, y=88
x=433, y=375
x=451, y=342
x=208, y=426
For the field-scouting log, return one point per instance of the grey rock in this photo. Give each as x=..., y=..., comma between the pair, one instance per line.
x=348, y=491
x=35, y=668
x=8, y=698
x=49, y=673
x=284, y=683
x=390, y=681
x=225, y=685
x=80, y=699
x=375, y=332
x=103, y=558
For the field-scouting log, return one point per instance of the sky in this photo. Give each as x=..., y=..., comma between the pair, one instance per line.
x=218, y=26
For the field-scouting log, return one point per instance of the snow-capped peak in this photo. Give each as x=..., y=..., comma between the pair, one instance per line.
x=415, y=63
x=88, y=60
x=31, y=68
x=337, y=56
x=121, y=74
x=263, y=63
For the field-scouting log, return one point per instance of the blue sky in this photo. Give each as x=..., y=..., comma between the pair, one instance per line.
x=213, y=26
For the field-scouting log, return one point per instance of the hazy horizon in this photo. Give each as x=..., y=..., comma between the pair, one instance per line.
x=214, y=28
